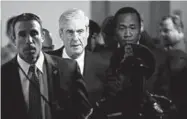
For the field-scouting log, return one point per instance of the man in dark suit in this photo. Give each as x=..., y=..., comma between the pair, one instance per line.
x=127, y=29
x=74, y=32
x=53, y=90
x=172, y=81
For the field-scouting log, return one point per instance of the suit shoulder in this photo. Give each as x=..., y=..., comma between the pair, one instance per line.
x=97, y=59
x=64, y=62
x=7, y=65
x=57, y=52
x=7, y=69
x=60, y=59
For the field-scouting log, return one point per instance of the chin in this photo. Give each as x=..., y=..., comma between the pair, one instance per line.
x=78, y=52
x=77, y=49
x=33, y=57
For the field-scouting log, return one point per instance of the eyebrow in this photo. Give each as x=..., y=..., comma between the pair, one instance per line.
x=122, y=25
x=31, y=30
x=21, y=31
x=126, y=25
x=75, y=30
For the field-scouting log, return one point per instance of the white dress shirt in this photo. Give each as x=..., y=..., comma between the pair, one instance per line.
x=80, y=59
x=24, y=81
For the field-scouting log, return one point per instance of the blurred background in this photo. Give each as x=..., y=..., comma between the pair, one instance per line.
x=49, y=11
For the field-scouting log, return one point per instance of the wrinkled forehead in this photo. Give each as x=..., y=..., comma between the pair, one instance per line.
x=73, y=24
x=27, y=25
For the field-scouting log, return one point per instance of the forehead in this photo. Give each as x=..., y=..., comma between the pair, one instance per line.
x=127, y=19
x=168, y=23
x=27, y=25
x=73, y=24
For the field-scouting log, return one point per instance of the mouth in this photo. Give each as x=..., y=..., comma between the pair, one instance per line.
x=30, y=50
x=77, y=45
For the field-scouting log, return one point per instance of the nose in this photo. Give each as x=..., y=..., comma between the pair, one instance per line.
x=75, y=36
x=29, y=39
x=162, y=33
x=127, y=33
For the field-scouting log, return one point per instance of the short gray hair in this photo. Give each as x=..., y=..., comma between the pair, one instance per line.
x=176, y=21
x=73, y=13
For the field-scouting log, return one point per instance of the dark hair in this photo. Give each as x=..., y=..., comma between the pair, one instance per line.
x=9, y=27
x=107, y=27
x=93, y=27
x=175, y=19
x=25, y=17
x=126, y=10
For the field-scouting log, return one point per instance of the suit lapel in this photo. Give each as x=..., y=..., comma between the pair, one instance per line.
x=60, y=51
x=17, y=88
x=52, y=76
x=86, y=60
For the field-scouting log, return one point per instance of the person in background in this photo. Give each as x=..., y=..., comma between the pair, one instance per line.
x=95, y=40
x=47, y=45
x=35, y=85
x=145, y=38
x=108, y=33
x=172, y=33
x=8, y=51
x=172, y=81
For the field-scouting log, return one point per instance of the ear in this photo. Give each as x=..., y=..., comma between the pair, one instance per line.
x=60, y=33
x=87, y=32
x=43, y=37
x=13, y=39
x=141, y=27
x=115, y=34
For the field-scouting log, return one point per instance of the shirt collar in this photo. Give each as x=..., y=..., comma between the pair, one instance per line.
x=25, y=66
x=80, y=58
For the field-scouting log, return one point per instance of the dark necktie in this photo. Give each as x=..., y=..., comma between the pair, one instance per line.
x=34, y=95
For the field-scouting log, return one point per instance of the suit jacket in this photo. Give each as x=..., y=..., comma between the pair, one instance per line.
x=95, y=65
x=172, y=81
x=63, y=82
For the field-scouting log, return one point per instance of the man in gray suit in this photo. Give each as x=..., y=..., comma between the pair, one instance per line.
x=74, y=32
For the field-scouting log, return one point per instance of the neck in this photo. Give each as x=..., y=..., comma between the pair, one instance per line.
x=30, y=60
x=75, y=56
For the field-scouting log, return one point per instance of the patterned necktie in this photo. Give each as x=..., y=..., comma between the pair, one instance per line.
x=34, y=95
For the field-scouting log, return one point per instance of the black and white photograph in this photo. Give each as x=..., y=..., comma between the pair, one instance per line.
x=93, y=59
